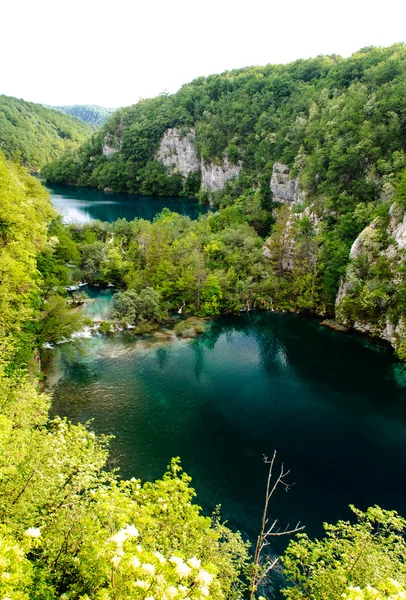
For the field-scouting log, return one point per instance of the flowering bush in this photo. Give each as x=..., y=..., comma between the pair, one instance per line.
x=390, y=590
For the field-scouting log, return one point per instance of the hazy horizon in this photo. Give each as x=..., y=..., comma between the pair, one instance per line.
x=113, y=55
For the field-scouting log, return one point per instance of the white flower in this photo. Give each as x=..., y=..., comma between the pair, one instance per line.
x=116, y=561
x=204, y=578
x=194, y=562
x=182, y=569
x=148, y=568
x=149, y=598
x=119, y=538
x=5, y=576
x=135, y=562
x=160, y=557
x=183, y=589
x=142, y=584
x=138, y=548
x=171, y=591
x=205, y=590
x=131, y=531
x=34, y=532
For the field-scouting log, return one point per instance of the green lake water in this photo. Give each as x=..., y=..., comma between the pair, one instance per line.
x=82, y=205
x=333, y=405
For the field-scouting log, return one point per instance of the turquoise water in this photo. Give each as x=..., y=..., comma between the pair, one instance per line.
x=99, y=306
x=333, y=405
x=82, y=205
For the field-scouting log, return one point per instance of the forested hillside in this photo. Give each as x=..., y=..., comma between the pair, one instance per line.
x=90, y=113
x=33, y=135
x=336, y=122
x=313, y=151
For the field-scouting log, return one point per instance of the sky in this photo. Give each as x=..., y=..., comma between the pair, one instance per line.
x=114, y=53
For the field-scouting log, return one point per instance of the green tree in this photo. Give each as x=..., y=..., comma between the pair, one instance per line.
x=365, y=553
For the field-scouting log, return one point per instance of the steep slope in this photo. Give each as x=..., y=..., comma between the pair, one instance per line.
x=33, y=134
x=317, y=145
x=89, y=113
x=372, y=293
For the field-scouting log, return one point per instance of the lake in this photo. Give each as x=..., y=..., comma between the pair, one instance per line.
x=333, y=405
x=82, y=205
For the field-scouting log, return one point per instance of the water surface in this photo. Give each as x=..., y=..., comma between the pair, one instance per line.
x=82, y=205
x=333, y=406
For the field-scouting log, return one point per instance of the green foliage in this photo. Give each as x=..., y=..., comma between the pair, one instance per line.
x=105, y=327
x=361, y=554
x=189, y=328
x=33, y=135
x=16, y=572
x=57, y=322
x=390, y=590
x=135, y=308
x=24, y=212
x=401, y=189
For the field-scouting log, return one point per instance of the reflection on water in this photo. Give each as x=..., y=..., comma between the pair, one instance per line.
x=331, y=404
x=82, y=205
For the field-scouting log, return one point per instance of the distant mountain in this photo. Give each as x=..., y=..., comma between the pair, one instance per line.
x=33, y=134
x=90, y=113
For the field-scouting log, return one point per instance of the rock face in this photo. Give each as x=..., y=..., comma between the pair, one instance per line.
x=397, y=225
x=178, y=153
x=287, y=191
x=370, y=244
x=364, y=241
x=111, y=145
x=215, y=176
x=284, y=188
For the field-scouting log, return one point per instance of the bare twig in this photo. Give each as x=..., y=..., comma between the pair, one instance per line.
x=261, y=570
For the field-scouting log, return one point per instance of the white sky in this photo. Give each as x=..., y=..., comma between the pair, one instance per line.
x=112, y=53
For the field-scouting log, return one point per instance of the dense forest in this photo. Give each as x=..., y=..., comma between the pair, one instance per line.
x=33, y=135
x=70, y=528
x=90, y=113
x=338, y=122
x=331, y=129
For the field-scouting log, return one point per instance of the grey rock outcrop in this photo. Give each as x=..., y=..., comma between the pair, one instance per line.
x=369, y=244
x=397, y=225
x=178, y=153
x=214, y=176
x=364, y=241
x=111, y=145
x=287, y=242
x=285, y=188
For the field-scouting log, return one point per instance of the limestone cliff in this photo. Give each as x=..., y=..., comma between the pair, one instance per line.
x=111, y=143
x=214, y=176
x=370, y=297
x=284, y=187
x=287, y=190
x=178, y=153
